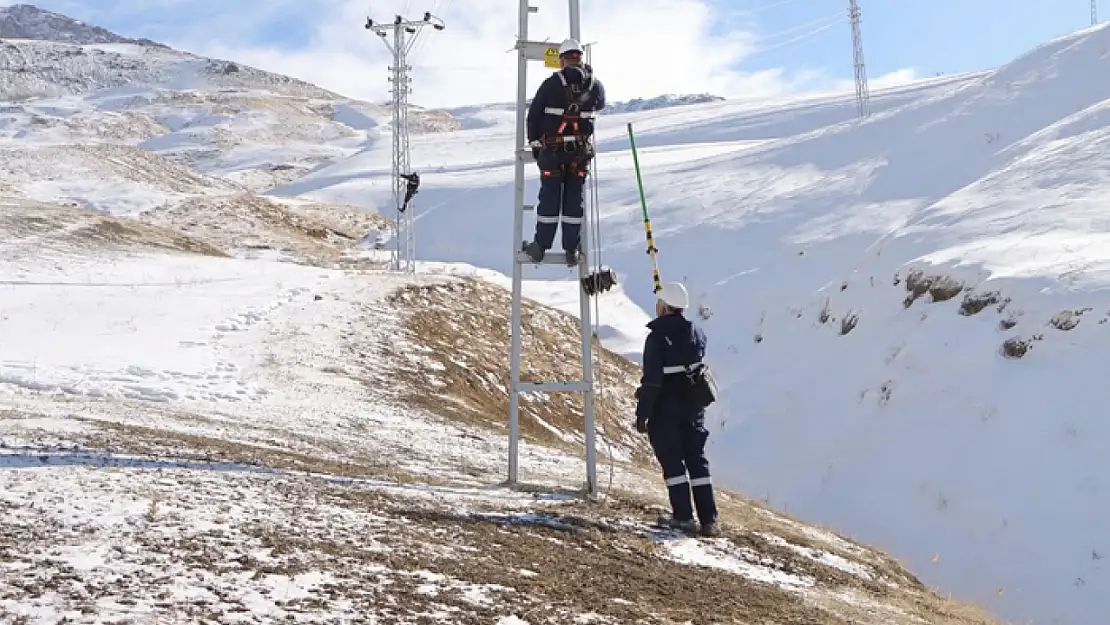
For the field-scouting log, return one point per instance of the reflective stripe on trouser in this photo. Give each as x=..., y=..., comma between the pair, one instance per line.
x=704, y=500
x=560, y=195
x=678, y=491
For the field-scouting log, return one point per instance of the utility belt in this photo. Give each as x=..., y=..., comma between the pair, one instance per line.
x=567, y=138
x=698, y=387
x=568, y=148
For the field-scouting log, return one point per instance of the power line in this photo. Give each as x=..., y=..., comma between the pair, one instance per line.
x=808, y=36
x=405, y=34
x=820, y=22
x=419, y=52
x=863, y=95
x=766, y=7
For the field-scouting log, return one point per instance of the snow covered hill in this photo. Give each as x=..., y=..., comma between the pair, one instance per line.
x=212, y=403
x=659, y=102
x=502, y=113
x=26, y=21
x=907, y=313
x=199, y=433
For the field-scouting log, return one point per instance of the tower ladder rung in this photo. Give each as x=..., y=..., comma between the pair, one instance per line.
x=549, y=258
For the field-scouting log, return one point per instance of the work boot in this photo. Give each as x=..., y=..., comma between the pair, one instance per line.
x=687, y=527
x=710, y=530
x=534, y=251
x=572, y=258
x=684, y=526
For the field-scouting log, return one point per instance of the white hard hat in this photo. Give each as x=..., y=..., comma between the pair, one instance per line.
x=674, y=295
x=569, y=45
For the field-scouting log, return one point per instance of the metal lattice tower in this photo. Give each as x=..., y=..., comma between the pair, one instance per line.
x=863, y=95
x=540, y=51
x=405, y=33
x=1094, y=12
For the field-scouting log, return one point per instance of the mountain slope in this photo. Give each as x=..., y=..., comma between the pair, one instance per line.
x=239, y=436
x=925, y=411
x=26, y=21
x=239, y=410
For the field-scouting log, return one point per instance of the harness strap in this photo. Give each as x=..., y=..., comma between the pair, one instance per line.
x=570, y=116
x=553, y=110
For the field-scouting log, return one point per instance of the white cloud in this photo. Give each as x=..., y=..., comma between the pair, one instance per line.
x=643, y=47
x=893, y=79
x=884, y=81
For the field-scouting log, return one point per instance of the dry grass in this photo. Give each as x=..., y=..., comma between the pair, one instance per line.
x=747, y=522
x=124, y=127
x=31, y=227
x=311, y=235
x=938, y=288
x=1067, y=320
x=586, y=552
x=454, y=362
x=975, y=303
x=1017, y=347
x=584, y=561
x=849, y=323
x=109, y=162
x=128, y=234
x=457, y=367
x=598, y=562
x=156, y=442
x=586, y=555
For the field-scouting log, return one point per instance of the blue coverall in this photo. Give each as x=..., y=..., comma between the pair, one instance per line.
x=676, y=430
x=563, y=168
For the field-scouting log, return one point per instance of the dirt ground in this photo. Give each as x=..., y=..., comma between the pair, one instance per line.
x=547, y=563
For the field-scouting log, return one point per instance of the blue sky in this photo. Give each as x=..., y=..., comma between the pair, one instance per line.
x=730, y=47
x=932, y=36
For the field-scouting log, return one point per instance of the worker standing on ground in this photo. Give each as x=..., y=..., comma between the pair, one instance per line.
x=560, y=133
x=674, y=424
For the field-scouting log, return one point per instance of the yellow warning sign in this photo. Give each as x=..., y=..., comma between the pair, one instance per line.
x=551, y=58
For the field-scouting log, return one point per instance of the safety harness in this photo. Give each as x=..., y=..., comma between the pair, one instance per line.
x=573, y=143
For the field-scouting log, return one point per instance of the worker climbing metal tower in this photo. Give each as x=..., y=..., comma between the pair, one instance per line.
x=592, y=279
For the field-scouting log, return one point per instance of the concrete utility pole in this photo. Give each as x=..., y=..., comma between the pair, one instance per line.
x=405, y=32
x=863, y=95
x=1094, y=12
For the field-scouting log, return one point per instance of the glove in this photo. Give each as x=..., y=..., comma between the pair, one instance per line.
x=641, y=425
x=536, y=145
x=645, y=400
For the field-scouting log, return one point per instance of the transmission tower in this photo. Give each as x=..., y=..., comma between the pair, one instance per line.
x=405, y=33
x=863, y=96
x=1094, y=12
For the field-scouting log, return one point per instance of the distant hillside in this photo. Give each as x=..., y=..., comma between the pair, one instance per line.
x=25, y=21
x=488, y=115
x=48, y=68
x=659, y=102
